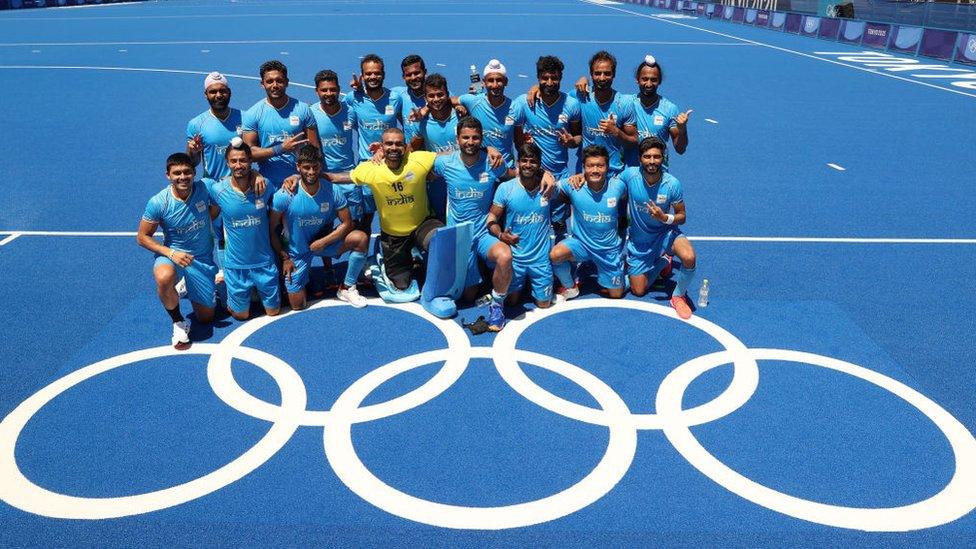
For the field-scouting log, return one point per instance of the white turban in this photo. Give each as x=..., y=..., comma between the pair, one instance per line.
x=214, y=78
x=494, y=66
x=649, y=59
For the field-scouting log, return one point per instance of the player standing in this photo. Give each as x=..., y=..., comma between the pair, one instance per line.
x=655, y=115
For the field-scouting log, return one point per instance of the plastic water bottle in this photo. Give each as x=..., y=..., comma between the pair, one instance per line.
x=703, y=294
x=476, y=84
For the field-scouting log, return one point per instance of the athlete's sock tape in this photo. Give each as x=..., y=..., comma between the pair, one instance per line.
x=447, y=266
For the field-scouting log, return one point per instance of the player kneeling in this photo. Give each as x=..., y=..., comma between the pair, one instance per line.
x=653, y=230
x=595, y=216
x=521, y=204
x=308, y=217
x=182, y=211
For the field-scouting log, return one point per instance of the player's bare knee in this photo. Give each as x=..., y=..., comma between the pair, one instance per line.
x=543, y=304
x=273, y=312
x=357, y=240
x=240, y=315
x=615, y=293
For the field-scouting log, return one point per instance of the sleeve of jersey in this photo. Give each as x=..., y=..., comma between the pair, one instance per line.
x=575, y=112
x=501, y=195
x=249, y=122
x=308, y=117
x=467, y=101
x=360, y=174
x=627, y=115
x=673, y=113
x=191, y=129
x=426, y=159
x=280, y=201
x=339, y=198
x=564, y=187
x=677, y=194
x=152, y=212
x=516, y=112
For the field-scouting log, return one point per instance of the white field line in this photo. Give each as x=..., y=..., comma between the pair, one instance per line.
x=41, y=19
x=9, y=239
x=376, y=41
x=778, y=48
x=837, y=167
x=137, y=69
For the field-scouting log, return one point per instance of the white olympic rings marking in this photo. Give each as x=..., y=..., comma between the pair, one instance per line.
x=20, y=492
x=954, y=501
x=957, y=499
x=228, y=390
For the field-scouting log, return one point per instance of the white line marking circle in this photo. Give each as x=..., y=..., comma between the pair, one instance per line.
x=229, y=391
x=739, y=391
x=18, y=491
x=341, y=453
x=957, y=499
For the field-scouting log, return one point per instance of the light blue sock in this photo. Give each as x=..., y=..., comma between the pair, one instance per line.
x=357, y=260
x=497, y=297
x=564, y=274
x=684, y=277
x=659, y=265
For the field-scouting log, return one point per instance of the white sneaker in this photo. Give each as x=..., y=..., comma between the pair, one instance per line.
x=181, y=335
x=569, y=293
x=351, y=296
x=181, y=288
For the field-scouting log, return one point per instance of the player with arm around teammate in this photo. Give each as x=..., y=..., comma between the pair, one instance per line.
x=655, y=115
x=277, y=125
x=243, y=200
x=523, y=210
x=470, y=180
x=308, y=216
x=182, y=210
x=596, y=207
x=653, y=195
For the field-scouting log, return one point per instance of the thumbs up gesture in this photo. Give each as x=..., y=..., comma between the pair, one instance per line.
x=682, y=119
x=609, y=126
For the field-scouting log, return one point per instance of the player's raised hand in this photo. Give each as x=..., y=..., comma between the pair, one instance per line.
x=260, y=184
x=532, y=95
x=527, y=137
x=195, y=144
x=356, y=83
x=294, y=141
x=416, y=114
x=508, y=237
x=461, y=110
x=548, y=184
x=290, y=184
x=682, y=119
x=378, y=155
x=577, y=181
x=656, y=212
x=566, y=139
x=583, y=86
x=495, y=157
x=609, y=125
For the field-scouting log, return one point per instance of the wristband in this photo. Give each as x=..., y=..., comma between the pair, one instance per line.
x=171, y=254
x=277, y=149
x=669, y=219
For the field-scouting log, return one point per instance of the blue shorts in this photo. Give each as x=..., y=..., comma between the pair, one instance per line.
x=479, y=250
x=539, y=273
x=642, y=255
x=199, y=277
x=369, y=204
x=240, y=281
x=609, y=264
x=303, y=263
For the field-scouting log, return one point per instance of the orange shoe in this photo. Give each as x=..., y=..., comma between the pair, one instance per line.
x=680, y=304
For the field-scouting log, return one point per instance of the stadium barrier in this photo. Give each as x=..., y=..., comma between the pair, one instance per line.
x=21, y=4
x=905, y=33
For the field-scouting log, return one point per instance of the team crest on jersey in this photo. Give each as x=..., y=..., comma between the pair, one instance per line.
x=483, y=178
x=509, y=121
x=612, y=202
x=347, y=125
x=324, y=207
x=259, y=204
x=201, y=206
x=408, y=176
x=293, y=120
x=662, y=198
x=563, y=118
x=658, y=120
x=389, y=110
x=543, y=201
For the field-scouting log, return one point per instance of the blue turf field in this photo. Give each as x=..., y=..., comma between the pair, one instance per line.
x=872, y=266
